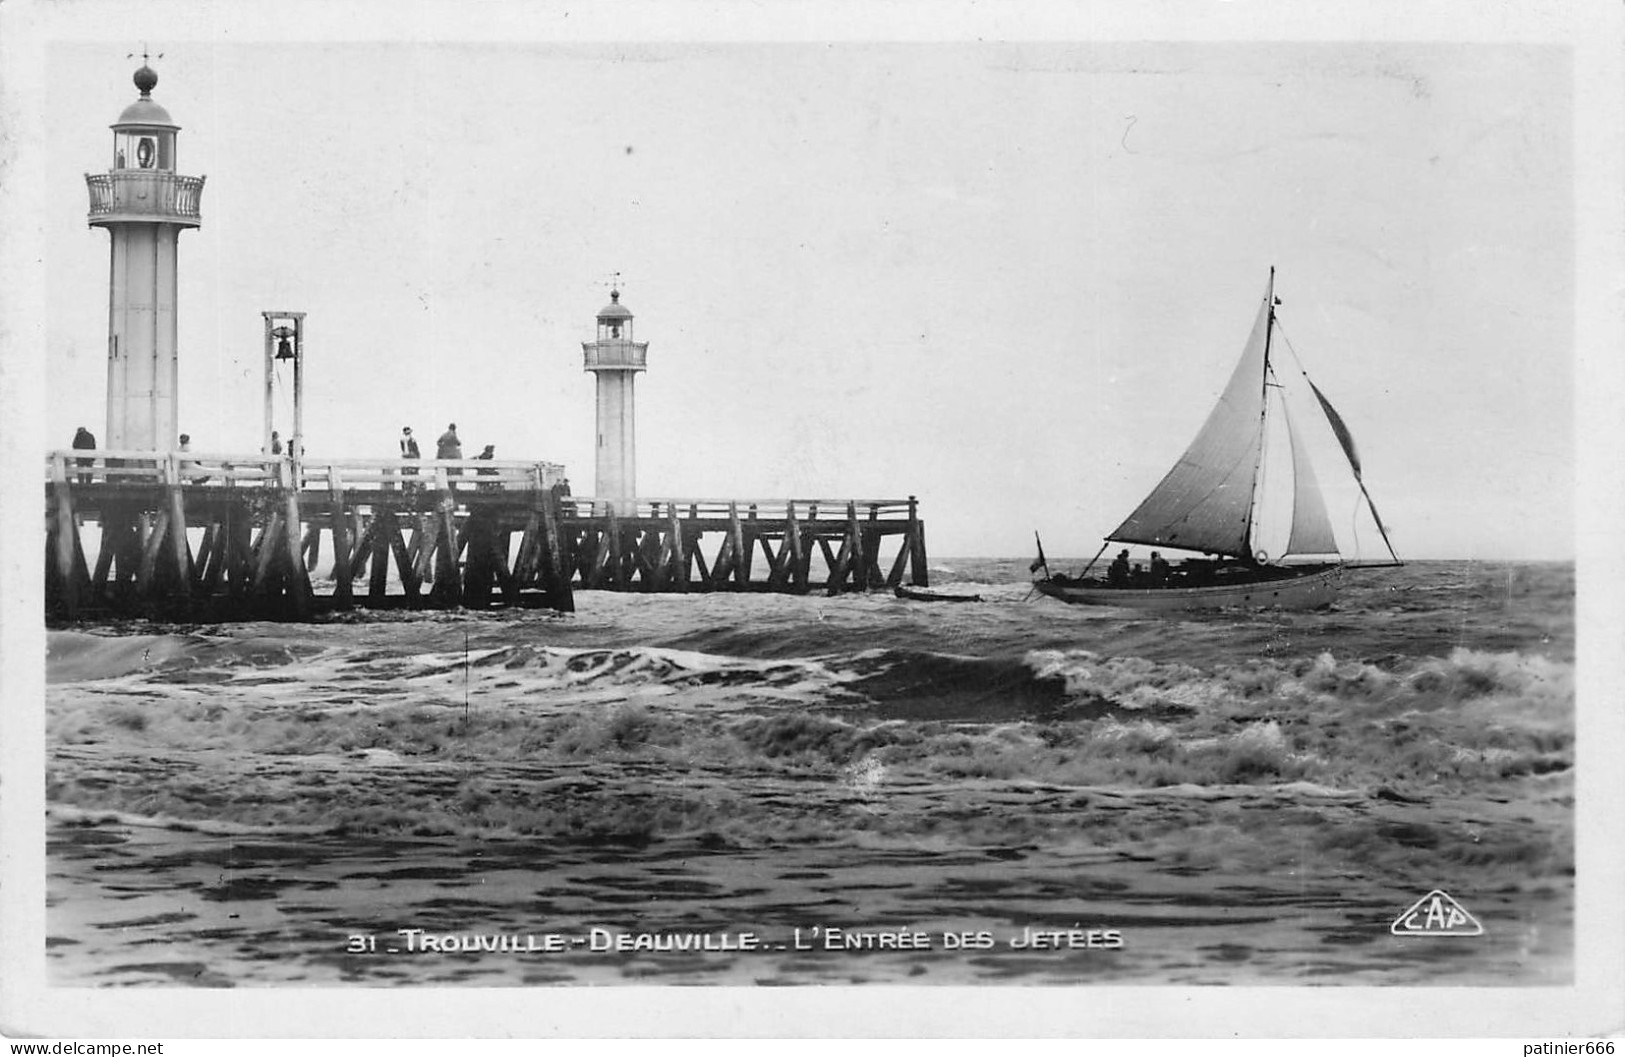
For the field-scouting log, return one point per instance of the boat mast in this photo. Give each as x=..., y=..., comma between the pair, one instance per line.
x=1264, y=407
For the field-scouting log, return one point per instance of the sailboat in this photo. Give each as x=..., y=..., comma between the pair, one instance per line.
x=1209, y=502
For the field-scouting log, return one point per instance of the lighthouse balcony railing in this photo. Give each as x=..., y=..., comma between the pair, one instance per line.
x=625, y=355
x=144, y=194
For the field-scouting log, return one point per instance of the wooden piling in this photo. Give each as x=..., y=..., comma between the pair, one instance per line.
x=207, y=547
x=362, y=555
x=675, y=554
x=506, y=581
x=240, y=553
x=895, y=576
x=111, y=532
x=378, y=579
x=530, y=548
x=448, y=588
x=66, y=542
x=270, y=540
x=916, y=545
x=859, y=566
x=217, y=537
x=424, y=546
x=788, y=573
x=405, y=568
x=617, y=564
x=180, y=549
x=739, y=557
x=745, y=543
x=557, y=579
x=298, y=588
x=153, y=541
x=338, y=524
x=699, y=563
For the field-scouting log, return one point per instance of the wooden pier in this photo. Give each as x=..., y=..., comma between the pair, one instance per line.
x=212, y=537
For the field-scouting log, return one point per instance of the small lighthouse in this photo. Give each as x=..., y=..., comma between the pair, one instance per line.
x=144, y=204
x=616, y=359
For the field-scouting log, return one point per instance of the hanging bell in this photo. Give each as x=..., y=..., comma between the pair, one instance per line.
x=284, y=347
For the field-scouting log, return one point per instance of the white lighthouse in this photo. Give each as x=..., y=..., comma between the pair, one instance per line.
x=144, y=204
x=616, y=359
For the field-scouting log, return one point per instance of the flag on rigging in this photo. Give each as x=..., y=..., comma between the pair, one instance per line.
x=1039, y=562
x=1344, y=437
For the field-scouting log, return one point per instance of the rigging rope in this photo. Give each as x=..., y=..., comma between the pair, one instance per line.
x=1354, y=526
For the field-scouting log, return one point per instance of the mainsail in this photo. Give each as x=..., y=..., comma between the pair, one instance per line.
x=1205, y=503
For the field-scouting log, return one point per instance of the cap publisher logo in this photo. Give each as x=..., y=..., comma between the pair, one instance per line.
x=1436, y=914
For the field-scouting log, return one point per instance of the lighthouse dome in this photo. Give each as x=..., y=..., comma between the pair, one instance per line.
x=614, y=310
x=146, y=112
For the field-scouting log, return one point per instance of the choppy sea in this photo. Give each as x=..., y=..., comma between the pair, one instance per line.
x=766, y=789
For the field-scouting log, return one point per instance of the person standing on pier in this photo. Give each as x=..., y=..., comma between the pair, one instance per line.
x=187, y=466
x=449, y=447
x=490, y=452
x=276, y=443
x=409, y=451
x=85, y=441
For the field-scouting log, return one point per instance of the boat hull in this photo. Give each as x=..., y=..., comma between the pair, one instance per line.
x=1314, y=588
x=917, y=595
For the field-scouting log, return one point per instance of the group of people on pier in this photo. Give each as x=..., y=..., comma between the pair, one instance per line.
x=449, y=446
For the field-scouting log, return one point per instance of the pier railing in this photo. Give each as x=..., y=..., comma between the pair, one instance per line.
x=745, y=509
x=227, y=470
x=487, y=474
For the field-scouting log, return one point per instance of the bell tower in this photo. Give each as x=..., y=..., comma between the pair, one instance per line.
x=144, y=204
x=615, y=358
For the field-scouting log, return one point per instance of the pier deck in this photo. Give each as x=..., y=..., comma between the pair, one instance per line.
x=192, y=535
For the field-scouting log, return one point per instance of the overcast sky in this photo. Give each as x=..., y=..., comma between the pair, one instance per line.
x=1009, y=278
